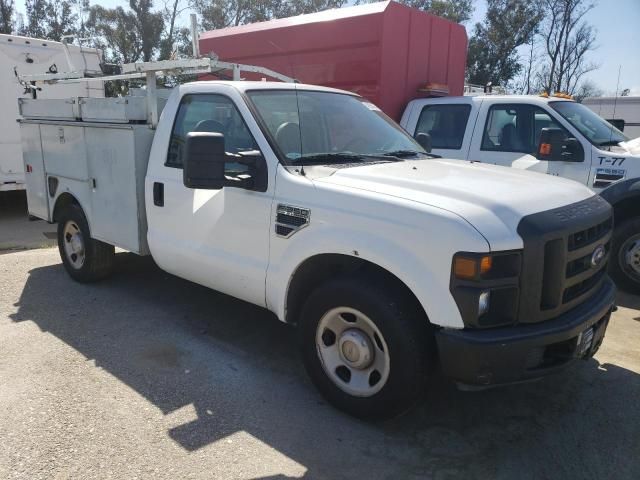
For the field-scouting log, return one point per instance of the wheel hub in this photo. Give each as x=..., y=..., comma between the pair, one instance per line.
x=632, y=256
x=356, y=348
x=353, y=352
x=77, y=245
x=73, y=244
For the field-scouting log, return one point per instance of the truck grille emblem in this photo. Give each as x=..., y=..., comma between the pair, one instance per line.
x=597, y=256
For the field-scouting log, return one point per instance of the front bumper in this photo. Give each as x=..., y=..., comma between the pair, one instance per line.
x=527, y=351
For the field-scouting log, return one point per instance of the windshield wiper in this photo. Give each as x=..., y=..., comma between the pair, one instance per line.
x=344, y=157
x=609, y=143
x=333, y=157
x=401, y=153
x=408, y=153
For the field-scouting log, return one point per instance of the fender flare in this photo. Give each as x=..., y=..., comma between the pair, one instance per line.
x=622, y=190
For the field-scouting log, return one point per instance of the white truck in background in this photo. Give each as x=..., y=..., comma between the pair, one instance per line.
x=547, y=134
x=310, y=202
x=32, y=56
x=623, y=112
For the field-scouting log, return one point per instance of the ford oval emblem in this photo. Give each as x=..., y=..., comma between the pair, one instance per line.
x=597, y=256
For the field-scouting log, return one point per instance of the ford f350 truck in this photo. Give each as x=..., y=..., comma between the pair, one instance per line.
x=310, y=202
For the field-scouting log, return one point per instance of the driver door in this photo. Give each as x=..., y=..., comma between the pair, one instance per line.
x=217, y=238
x=510, y=137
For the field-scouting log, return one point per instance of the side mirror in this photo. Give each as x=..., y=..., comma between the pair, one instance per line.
x=555, y=146
x=207, y=165
x=424, y=139
x=617, y=122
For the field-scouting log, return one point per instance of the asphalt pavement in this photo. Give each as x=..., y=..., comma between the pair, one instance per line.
x=145, y=375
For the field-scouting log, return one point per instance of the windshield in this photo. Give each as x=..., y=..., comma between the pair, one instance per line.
x=597, y=130
x=325, y=127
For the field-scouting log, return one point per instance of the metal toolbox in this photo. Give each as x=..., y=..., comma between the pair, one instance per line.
x=58, y=109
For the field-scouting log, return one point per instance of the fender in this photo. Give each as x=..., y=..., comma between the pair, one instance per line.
x=622, y=190
x=428, y=282
x=64, y=189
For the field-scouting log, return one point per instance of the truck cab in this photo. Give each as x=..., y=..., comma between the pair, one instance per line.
x=550, y=135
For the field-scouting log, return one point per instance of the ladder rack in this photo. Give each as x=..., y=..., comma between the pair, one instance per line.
x=150, y=71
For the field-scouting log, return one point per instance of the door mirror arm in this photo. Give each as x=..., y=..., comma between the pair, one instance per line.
x=555, y=146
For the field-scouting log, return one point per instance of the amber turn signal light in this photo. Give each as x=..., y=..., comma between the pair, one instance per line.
x=468, y=268
x=545, y=149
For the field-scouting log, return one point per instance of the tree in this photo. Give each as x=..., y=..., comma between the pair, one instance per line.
x=50, y=19
x=149, y=24
x=229, y=13
x=126, y=35
x=458, y=11
x=567, y=41
x=172, y=9
x=587, y=89
x=492, y=55
x=6, y=16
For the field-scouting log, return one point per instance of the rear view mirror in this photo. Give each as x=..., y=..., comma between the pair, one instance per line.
x=555, y=146
x=204, y=160
x=424, y=139
x=207, y=165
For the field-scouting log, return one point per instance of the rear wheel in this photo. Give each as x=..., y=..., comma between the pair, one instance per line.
x=84, y=258
x=367, y=348
x=624, y=265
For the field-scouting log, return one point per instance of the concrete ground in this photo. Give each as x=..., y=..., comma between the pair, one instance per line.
x=16, y=233
x=145, y=375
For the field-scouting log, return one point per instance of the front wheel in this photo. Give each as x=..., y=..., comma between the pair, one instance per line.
x=367, y=347
x=624, y=263
x=84, y=258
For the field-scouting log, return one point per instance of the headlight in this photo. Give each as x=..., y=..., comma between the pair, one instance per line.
x=485, y=287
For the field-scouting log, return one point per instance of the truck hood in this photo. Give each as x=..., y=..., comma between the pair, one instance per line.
x=632, y=146
x=493, y=199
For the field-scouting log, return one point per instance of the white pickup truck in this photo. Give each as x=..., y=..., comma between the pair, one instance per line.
x=551, y=135
x=310, y=202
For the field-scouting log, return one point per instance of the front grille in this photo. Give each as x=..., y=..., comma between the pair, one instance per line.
x=559, y=265
x=588, y=236
x=582, y=264
x=583, y=287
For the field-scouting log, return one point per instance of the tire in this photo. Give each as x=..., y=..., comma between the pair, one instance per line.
x=85, y=259
x=625, y=246
x=405, y=336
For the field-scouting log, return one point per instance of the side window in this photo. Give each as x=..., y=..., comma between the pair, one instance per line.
x=209, y=113
x=445, y=123
x=516, y=128
x=542, y=119
x=507, y=129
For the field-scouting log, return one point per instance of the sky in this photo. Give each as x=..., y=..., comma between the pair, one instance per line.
x=617, y=23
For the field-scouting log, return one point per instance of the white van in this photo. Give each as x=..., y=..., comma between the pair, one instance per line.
x=32, y=56
x=625, y=110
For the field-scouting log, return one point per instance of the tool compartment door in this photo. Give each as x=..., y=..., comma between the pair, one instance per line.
x=117, y=184
x=35, y=177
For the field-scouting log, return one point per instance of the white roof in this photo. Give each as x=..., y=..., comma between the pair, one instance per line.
x=244, y=86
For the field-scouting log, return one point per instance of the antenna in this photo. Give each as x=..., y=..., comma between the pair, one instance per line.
x=615, y=101
x=300, y=134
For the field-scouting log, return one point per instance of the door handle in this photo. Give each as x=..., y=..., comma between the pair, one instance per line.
x=158, y=194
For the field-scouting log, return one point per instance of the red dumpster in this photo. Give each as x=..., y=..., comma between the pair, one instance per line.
x=383, y=51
